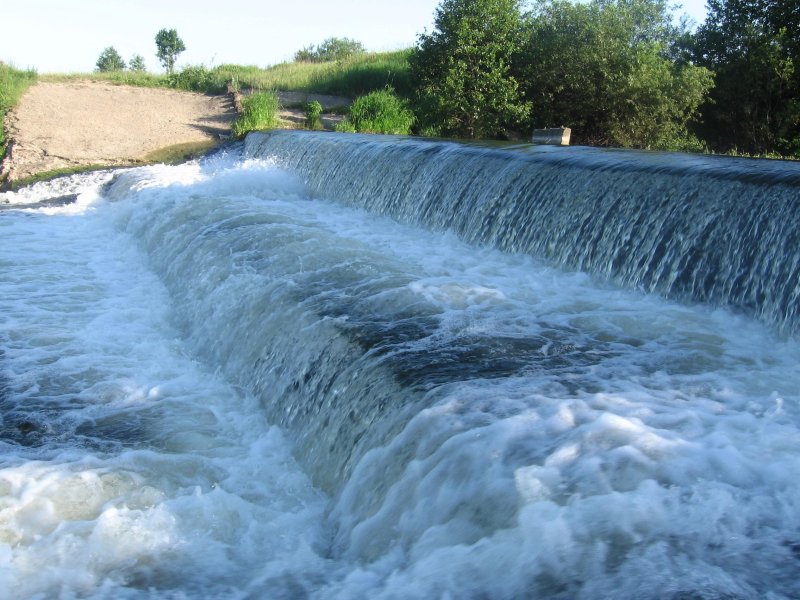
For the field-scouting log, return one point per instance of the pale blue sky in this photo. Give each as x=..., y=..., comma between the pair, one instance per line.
x=68, y=35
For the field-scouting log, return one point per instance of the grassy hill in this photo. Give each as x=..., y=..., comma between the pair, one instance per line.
x=352, y=77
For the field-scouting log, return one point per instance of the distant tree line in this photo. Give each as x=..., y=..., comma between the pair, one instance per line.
x=168, y=46
x=618, y=72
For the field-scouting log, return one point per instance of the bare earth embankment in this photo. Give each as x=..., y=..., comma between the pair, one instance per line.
x=68, y=125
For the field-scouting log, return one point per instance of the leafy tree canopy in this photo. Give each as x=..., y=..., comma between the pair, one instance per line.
x=331, y=49
x=110, y=60
x=463, y=69
x=606, y=68
x=754, y=50
x=168, y=47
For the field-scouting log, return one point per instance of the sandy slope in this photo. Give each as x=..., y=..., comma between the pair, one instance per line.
x=58, y=125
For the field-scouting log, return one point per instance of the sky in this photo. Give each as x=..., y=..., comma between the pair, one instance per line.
x=63, y=36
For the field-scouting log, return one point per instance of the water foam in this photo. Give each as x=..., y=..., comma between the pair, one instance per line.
x=201, y=349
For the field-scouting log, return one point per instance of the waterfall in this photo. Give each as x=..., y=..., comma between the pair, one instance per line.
x=699, y=229
x=352, y=367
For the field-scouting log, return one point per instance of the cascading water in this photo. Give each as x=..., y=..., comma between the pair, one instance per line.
x=229, y=380
x=707, y=229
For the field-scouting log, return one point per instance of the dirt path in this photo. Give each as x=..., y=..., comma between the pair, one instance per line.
x=64, y=125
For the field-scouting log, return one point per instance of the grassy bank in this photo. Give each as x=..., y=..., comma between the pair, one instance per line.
x=352, y=77
x=13, y=83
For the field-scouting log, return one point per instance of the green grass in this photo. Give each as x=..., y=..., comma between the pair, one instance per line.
x=259, y=111
x=378, y=112
x=13, y=83
x=140, y=79
x=355, y=76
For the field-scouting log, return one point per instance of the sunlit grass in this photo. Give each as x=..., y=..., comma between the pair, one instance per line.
x=378, y=112
x=259, y=112
x=352, y=77
x=13, y=83
x=137, y=78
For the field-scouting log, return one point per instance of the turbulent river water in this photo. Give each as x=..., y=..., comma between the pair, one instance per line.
x=324, y=367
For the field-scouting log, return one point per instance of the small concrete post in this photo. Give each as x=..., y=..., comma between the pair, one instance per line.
x=556, y=136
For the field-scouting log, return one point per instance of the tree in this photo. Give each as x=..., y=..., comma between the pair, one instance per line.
x=168, y=46
x=110, y=60
x=462, y=70
x=608, y=70
x=330, y=50
x=137, y=63
x=339, y=48
x=753, y=48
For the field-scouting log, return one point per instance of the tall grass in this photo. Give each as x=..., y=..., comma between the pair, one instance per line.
x=351, y=77
x=259, y=111
x=378, y=112
x=13, y=83
x=355, y=76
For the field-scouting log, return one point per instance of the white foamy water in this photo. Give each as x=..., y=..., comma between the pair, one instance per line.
x=215, y=386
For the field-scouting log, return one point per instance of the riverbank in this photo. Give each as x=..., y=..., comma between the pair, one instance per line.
x=74, y=125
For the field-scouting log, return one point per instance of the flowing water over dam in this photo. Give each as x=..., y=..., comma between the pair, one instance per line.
x=333, y=366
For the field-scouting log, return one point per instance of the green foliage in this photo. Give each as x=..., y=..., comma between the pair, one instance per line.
x=196, y=78
x=259, y=111
x=110, y=60
x=331, y=49
x=313, y=115
x=13, y=84
x=463, y=69
x=603, y=69
x=754, y=51
x=168, y=47
x=378, y=112
x=136, y=64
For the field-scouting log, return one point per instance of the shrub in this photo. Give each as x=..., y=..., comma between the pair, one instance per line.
x=331, y=49
x=110, y=60
x=313, y=114
x=136, y=64
x=259, y=111
x=196, y=79
x=378, y=112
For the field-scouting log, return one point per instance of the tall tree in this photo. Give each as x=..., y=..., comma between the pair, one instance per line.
x=168, y=47
x=754, y=50
x=110, y=60
x=463, y=71
x=606, y=69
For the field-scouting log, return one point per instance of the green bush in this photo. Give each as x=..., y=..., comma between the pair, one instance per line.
x=331, y=49
x=313, y=114
x=378, y=112
x=196, y=79
x=110, y=60
x=259, y=111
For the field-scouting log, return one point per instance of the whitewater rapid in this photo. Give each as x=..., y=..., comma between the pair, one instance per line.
x=215, y=384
